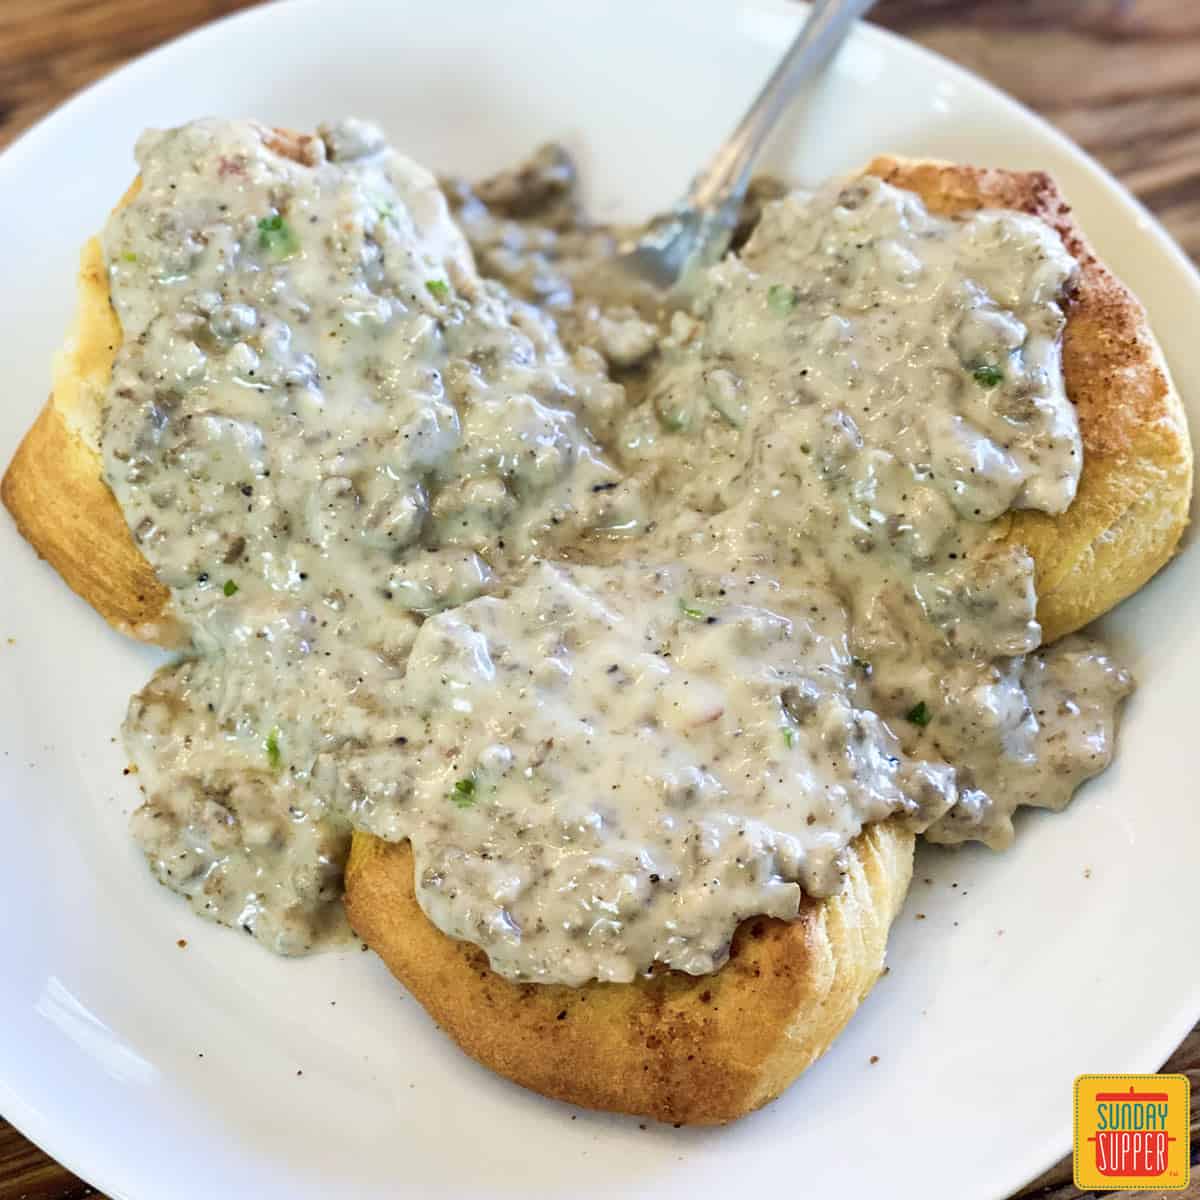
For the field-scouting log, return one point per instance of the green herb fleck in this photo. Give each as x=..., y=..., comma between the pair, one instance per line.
x=129, y=256
x=276, y=237
x=271, y=745
x=694, y=614
x=789, y=736
x=463, y=793
x=988, y=376
x=862, y=665
x=439, y=289
x=675, y=420
x=919, y=714
x=781, y=298
x=230, y=588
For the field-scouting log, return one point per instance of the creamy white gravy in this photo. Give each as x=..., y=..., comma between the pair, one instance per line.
x=629, y=629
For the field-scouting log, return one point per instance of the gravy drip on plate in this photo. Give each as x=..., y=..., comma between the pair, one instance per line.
x=630, y=624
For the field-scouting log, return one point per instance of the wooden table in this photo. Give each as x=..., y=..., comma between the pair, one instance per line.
x=1122, y=77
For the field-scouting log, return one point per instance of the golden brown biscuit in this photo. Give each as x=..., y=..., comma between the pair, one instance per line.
x=685, y=1048
x=1132, y=505
x=54, y=486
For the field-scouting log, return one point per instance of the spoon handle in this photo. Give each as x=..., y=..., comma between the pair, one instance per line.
x=724, y=181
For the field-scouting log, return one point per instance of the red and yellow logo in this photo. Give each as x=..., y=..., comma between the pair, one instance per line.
x=1131, y=1132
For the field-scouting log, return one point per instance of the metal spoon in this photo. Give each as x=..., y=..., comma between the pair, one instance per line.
x=697, y=231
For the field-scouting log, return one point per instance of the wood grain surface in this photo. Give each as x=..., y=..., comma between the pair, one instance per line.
x=1121, y=77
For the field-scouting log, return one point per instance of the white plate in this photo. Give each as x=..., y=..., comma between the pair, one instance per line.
x=156, y=1071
